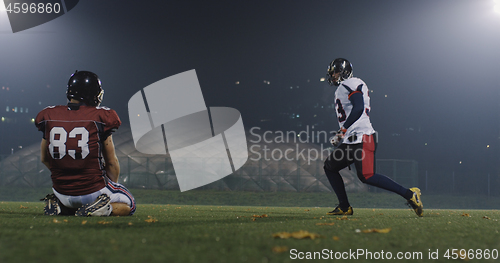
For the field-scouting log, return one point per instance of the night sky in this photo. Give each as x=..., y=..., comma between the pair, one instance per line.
x=433, y=66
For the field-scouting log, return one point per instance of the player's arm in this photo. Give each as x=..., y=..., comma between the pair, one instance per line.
x=44, y=155
x=358, y=105
x=112, y=166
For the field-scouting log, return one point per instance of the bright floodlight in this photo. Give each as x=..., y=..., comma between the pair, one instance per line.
x=497, y=6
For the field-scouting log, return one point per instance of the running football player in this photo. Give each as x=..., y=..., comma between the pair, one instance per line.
x=356, y=140
x=77, y=147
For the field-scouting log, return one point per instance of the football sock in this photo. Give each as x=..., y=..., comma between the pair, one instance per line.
x=408, y=195
x=338, y=186
x=384, y=182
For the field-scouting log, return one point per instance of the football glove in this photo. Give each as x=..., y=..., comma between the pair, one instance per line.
x=337, y=139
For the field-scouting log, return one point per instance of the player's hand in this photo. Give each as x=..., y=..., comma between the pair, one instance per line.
x=336, y=140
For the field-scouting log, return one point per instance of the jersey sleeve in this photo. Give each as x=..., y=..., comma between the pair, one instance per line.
x=355, y=96
x=40, y=120
x=111, y=122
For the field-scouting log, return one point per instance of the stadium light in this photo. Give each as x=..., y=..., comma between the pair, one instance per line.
x=497, y=6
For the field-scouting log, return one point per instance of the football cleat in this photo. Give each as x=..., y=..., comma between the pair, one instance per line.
x=100, y=207
x=339, y=211
x=52, y=207
x=415, y=202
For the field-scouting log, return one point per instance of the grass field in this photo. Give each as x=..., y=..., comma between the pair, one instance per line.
x=200, y=233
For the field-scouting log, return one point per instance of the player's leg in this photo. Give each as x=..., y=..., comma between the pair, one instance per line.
x=113, y=200
x=364, y=156
x=120, y=209
x=93, y=204
x=364, y=160
x=335, y=162
x=122, y=200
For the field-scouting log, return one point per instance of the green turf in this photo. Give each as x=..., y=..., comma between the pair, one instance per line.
x=306, y=199
x=186, y=233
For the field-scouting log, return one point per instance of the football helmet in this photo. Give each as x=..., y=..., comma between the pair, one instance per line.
x=85, y=86
x=339, y=65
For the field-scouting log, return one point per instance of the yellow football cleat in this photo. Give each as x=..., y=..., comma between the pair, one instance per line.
x=338, y=211
x=415, y=202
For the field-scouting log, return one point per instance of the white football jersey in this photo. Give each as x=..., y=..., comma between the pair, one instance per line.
x=343, y=107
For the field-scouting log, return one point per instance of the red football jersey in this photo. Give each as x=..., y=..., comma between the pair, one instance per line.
x=75, y=136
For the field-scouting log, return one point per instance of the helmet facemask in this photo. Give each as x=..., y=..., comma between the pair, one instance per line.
x=341, y=66
x=99, y=98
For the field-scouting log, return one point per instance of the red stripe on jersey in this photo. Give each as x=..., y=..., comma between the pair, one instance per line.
x=354, y=92
x=368, y=161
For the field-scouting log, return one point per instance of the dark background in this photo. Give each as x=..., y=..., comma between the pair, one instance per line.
x=432, y=66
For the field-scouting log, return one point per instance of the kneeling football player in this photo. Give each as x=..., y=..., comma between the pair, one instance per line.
x=78, y=149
